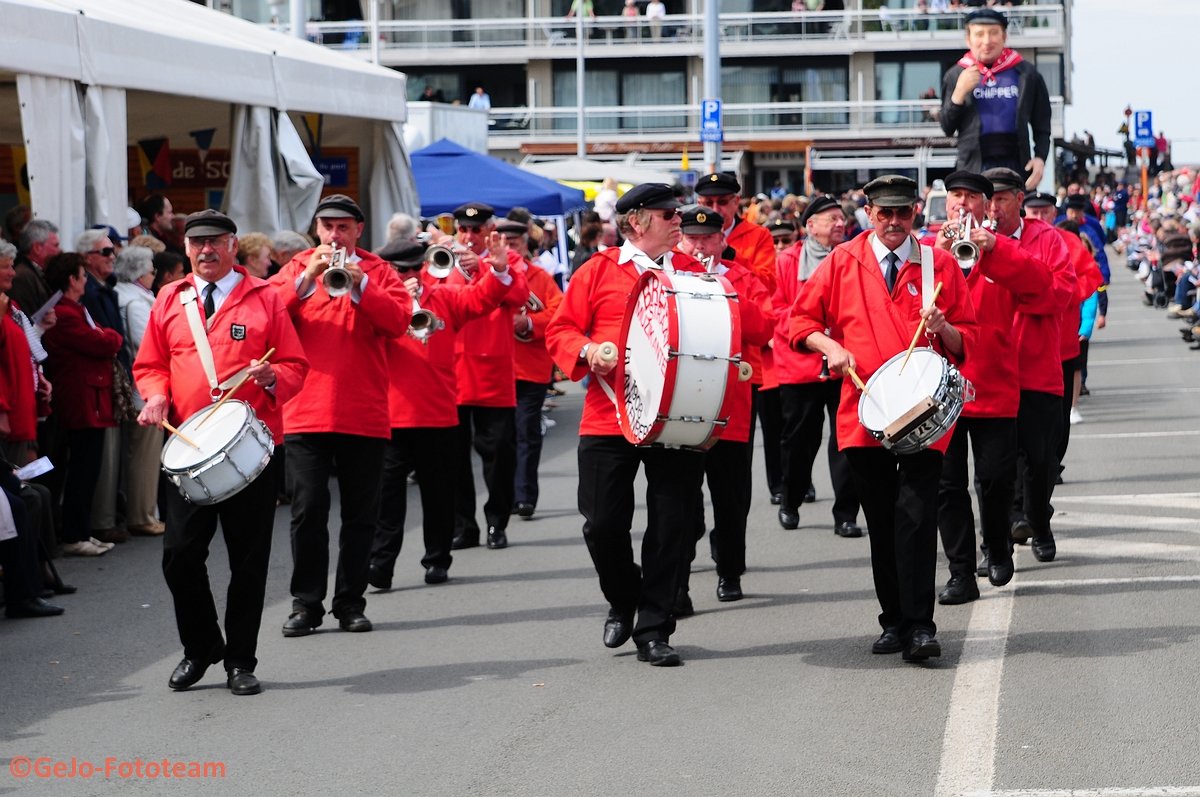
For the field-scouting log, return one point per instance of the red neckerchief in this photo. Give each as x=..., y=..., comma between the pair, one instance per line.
x=1007, y=60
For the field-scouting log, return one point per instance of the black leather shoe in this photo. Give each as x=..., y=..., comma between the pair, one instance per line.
x=1000, y=573
x=776, y=499
x=462, y=541
x=436, y=575
x=188, y=673
x=496, y=538
x=811, y=495
x=1021, y=531
x=524, y=509
x=922, y=646
x=32, y=607
x=959, y=589
x=617, y=629
x=729, y=589
x=243, y=682
x=682, y=607
x=981, y=569
x=300, y=623
x=378, y=579
x=355, y=622
x=659, y=654
x=888, y=642
x=848, y=529
x=1044, y=549
x=789, y=518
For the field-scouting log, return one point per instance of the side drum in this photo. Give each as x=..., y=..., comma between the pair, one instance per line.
x=910, y=409
x=234, y=447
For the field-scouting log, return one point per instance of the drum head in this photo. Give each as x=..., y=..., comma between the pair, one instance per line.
x=646, y=369
x=891, y=393
x=214, y=435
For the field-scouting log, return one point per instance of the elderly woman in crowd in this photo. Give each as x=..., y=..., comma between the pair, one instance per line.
x=140, y=445
x=254, y=252
x=81, y=362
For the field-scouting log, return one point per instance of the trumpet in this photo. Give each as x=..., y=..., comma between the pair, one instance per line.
x=336, y=278
x=964, y=250
x=424, y=323
x=440, y=261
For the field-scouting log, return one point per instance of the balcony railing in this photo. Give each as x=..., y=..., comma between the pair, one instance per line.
x=684, y=32
x=892, y=119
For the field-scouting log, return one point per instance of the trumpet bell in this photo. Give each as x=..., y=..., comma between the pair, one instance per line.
x=336, y=278
x=422, y=320
x=966, y=253
x=440, y=261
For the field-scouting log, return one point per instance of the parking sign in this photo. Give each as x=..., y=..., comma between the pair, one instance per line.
x=710, y=121
x=1143, y=129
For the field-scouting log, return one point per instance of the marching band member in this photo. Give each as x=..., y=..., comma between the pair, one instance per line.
x=487, y=396
x=807, y=392
x=341, y=413
x=244, y=319
x=1037, y=335
x=727, y=463
x=422, y=388
x=870, y=291
x=591, y=314
x=1003, y=281
x=532, y=365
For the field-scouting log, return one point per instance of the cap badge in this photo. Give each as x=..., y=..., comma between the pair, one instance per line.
x=471, y=212
x=701, y=218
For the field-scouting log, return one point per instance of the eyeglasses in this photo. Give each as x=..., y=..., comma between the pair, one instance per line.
x=667, y=215
x=905, y=212
x=407, y=267
x=107, y=251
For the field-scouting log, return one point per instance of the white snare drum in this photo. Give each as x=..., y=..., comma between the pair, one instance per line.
x=681, y=341
x=234, y=447
x=910, y=411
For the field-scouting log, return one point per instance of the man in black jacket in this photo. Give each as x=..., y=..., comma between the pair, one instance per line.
x=991, y=98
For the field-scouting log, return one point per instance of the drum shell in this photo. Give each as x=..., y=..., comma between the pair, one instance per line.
x=949, y=392
x=229, y=469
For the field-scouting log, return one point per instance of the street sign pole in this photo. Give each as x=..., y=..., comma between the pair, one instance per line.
x=712, y=84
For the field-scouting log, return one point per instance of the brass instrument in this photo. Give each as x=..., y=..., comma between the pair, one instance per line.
x=424, y=323
x=533, y=304
x=336, y=278
x=964, y=250
x=440, y=261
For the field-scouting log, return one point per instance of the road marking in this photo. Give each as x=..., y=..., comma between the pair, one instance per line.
x=1107, y=582
x=1145, y=791
x=1109, y=520
x=1147, y=361
x=1141, y=391
x=1172, y=500
x=1125, y=435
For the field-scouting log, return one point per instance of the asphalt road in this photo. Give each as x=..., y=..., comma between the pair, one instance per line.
x=1079, y=678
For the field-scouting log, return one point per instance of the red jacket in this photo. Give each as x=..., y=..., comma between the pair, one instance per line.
x=1088, y=280
x=1038, y=335
x=347, y=389
x=531, y=360
x=250, y=322
x=849, y=295
x=592, y=311
x=18, y=391
x=423, y=383
x=755, y=248
x=1005, y=281
x=757, y=322
x=81, y=368
x=792, y=367
x=485, y=346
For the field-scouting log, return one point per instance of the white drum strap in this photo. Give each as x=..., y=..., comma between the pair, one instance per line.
x=188, y=299
x=608, y=391
x=926, y=276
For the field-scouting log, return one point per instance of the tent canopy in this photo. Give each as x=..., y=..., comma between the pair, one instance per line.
x=447, y=175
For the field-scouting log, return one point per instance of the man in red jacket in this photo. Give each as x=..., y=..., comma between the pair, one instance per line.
x=1036, y=338
x=806, y=391
x=341, y=414
x=1005, y=280
x=487, y=395
x=243, y=319
x=591, y=314
x=871, y=291
x=422, y=388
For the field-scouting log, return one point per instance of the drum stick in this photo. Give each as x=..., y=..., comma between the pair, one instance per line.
x=229, y=394
x=920, y=328
x=179, y=434
x=857, y=382
x=607, y=352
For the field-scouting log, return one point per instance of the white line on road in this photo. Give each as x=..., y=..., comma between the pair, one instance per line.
x=1142, y=391
x=1126, y=435
x=1145, y=361
x=1160, y=500
x=1145, y=791
x=1108, y=582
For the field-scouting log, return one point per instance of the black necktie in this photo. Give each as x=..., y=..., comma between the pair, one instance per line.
x=893, y=270
x=210, y=307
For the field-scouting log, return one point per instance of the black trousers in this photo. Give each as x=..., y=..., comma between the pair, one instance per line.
x=415, y=450
x=805, y=407
x=994, y=443
x=608, y=466
x=530, y=398
x=83, y=470
x=19, y=555
x=899, y=500
x=310, y=461
x=1064, y=439
x=491, y=431
x=247, y=521
x=766, y=409
x=728, y=473
x=1038, y=422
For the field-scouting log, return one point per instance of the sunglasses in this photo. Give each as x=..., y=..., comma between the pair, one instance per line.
x=667, y=215
x=405, y=268
x=107, y=251
x=905, y=212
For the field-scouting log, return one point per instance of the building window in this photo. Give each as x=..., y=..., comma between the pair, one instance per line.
x=1050, y=65
x=909, y=80
x=763, y=84
x=636, y=92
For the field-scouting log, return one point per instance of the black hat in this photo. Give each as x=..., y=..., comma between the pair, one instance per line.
x=339, y=206
x=781, y=227
x=1005, y=179
x=818, y=204
x=718, y=184
x=512, y=227
x=473, y=214
x=987, y=16
x=700, y=221
x=403, y=252
x=890, y=191
x=1077, y=202
x=1175, y=247
x=969, y=181
x=204, y=223
x=1039, y=199
x=654, y=196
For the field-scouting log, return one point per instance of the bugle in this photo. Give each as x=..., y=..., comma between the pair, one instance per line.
x=336, y=278
x=424, y=323
x=440, y=261
x=964, y=250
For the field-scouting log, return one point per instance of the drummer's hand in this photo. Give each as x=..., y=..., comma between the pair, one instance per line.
x=599, y=365
x=155, y=411
x=935, y=320
x=262, y=374
x=840, y=361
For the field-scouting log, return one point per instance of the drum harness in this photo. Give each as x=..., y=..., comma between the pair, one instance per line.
x=188, y=299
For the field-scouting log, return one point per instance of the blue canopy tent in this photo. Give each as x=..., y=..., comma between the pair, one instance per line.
x=447, y=175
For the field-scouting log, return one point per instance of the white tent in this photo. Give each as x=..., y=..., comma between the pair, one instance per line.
x=92, y=76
